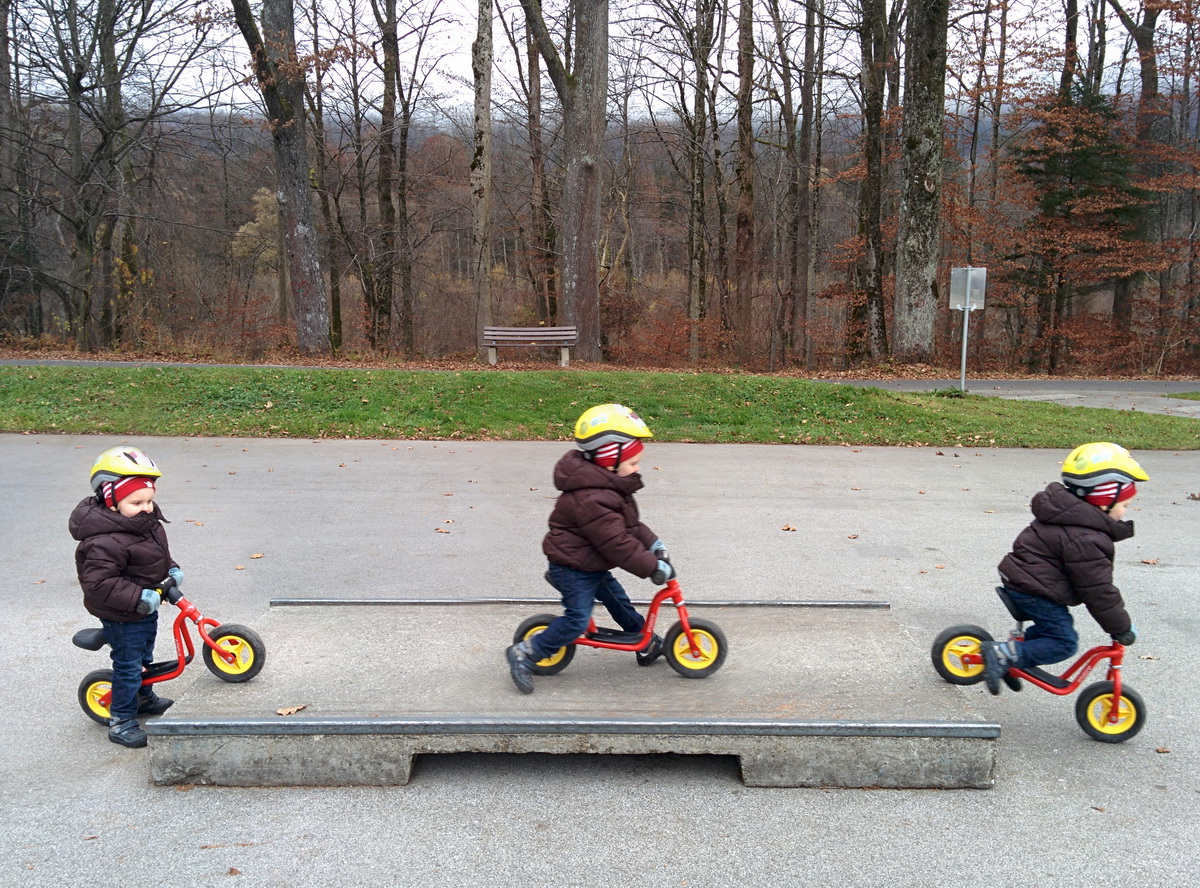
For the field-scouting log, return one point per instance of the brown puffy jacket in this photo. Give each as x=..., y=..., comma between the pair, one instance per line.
x=118, y=557
x=594, y=524
x=1066, y=556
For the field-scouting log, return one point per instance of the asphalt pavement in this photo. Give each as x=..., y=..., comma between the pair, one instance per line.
x=923, y=528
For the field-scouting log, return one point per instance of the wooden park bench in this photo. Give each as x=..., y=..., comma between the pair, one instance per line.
x=562, y=337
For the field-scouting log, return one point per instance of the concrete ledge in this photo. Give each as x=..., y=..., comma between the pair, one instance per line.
x=379, y=752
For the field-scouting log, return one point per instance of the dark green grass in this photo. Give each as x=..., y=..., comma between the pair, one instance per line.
x=488, y=404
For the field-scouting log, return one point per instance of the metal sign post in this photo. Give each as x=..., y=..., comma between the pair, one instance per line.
x=967, y=288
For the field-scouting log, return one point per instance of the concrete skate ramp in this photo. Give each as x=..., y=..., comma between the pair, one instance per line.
x=807, y=697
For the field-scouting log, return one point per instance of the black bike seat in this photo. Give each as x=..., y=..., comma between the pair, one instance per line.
x=90, y=639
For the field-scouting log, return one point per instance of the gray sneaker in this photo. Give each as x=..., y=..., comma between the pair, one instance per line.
x=127, y=732
x=149, y=703
x=652, y=652
x=994, y=669
x=520, y=666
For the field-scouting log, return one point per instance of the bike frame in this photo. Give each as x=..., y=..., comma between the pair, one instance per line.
x=1077, y=673
x=185, y=650
x=672, y=591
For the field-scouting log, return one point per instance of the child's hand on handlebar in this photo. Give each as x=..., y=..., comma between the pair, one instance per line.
x=663, y=571
x=1127, y=637
x=177, y=575
x=149, y=601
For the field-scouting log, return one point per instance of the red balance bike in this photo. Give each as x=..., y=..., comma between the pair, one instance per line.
x=232, y=653
x=1109, y=711
x=694, y=648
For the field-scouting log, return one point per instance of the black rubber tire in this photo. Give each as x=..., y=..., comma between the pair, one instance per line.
x=947, y=647
x=678, y=652
x=551, y=665
x=1133, y=713
x=95, y=685
x=251, y=652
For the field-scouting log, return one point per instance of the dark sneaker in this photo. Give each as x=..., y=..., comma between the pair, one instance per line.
x=149, y=703
x=652, y=652
x=993, y=669
x=520, y=666
x=127, y=732
x=1012, y=681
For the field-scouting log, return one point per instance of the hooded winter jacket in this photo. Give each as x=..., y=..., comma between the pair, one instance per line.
x=118, y=557
x=1066, y=556
x=594, y=524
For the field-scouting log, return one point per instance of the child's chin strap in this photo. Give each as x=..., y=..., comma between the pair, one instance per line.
x=1121, y=485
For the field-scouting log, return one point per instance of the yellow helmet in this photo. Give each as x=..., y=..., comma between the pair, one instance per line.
x=1100, y=462
x=121, y=462
x=608, y=424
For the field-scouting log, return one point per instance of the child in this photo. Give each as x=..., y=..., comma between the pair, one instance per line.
x=594, y=527
x=1065, y=558
x=122, y=554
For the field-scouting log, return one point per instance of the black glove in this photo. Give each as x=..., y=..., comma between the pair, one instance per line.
x=1127, y=637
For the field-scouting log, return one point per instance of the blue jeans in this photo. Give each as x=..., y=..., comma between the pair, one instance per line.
x=580, y=590
x=1051, y=637
x=132, y=648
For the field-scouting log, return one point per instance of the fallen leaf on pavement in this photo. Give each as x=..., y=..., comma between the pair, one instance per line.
x=291, y=710
x=787, y=527
x=239, y=567
x=1162, y=749
x=257, y=555
x=1149, y=561
x=852, y=536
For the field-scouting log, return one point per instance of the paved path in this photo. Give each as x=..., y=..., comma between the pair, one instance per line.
x=920, y=527
x=1145, y=395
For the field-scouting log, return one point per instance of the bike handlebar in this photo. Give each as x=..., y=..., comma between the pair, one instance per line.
x=169, y=590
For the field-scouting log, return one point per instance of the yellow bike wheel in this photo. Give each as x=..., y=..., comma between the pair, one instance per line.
x=951, y=647
x=1095, y=704
x=249, y=653
x=557, y=661
x=712, y=645
x=94, y=690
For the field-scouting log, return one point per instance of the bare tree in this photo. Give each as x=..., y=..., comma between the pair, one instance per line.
x=919, y=248
x=582, y=91
x=280, y=79
x=740, y=316
x=481, y=170
x=873, y=42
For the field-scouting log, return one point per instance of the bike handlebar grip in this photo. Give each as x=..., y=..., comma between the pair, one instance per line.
x=169, y=590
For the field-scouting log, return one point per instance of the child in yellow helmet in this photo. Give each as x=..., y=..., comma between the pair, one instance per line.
x=594, y=528
x=122, y=555
x=1065, y=558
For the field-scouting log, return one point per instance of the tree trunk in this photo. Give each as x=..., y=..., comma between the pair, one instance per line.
x=281, y=81
x=582, y=93
x=481, y=171
x=379, y=298
x=873, y=42
x=1149, y=111
x=543, y=237
x=741, y=320
x=919, y=251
